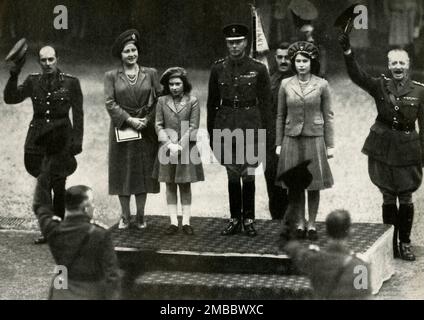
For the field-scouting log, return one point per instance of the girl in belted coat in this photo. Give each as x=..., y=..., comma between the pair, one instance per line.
x=304, y=132
x=178, y=163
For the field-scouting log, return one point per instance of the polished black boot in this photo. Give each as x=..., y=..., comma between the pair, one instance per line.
x=235, y=224
x=406, y=218
x=249, y=208
x=390, y=215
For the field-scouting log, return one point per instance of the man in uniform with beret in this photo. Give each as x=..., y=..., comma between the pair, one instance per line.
x=395, y=149
x=52, y=140
x=239, y=100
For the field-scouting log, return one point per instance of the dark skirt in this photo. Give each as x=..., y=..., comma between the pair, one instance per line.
x=394, y=179
x=131, y=165
x=181, y=169
x=295, y=150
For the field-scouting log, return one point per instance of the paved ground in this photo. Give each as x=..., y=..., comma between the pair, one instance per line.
x=25, y=270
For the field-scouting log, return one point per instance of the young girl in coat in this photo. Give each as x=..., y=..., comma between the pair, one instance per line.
x=178, y=163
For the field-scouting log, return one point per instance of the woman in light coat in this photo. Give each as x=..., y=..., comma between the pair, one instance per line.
x=304, y=131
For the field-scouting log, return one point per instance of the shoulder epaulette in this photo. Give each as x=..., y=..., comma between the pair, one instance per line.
x=258, y=61
x=67, y=75
x=99, y=224
x=219, y=61
x=35, y=74
x=418, y=83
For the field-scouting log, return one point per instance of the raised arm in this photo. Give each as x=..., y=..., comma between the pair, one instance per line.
x=356, y=73
x=14, y=93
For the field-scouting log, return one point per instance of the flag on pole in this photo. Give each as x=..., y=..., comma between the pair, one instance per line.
x=259, y=44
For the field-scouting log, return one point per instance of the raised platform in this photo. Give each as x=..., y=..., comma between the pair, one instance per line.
x=201, y=266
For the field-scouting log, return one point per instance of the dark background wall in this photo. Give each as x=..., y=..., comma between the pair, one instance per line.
x=184, y=32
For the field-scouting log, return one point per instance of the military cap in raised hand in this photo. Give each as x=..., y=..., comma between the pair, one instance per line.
x=18, y=52
x=345, y=20
x=131, y=35
x=235, y=31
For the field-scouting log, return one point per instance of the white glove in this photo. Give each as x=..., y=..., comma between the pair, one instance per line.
x=278, y=150
x=174, y=148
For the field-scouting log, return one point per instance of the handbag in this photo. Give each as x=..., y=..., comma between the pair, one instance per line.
x=127, y=134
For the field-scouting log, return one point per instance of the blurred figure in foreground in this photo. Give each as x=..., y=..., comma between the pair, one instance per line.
x=336, y=272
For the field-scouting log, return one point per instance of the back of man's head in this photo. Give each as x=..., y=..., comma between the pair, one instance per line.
x=338, y=224
x=75, y=196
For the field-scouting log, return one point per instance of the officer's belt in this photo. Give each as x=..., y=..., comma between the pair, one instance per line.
x=238, y=104
x=396, y=125
x=41, y=116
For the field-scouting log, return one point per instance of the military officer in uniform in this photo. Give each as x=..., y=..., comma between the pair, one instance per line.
x=84, y=248
x=336, y=272
x=52, y=140
x=239, y=99
x=277, y=196
x=395, y=149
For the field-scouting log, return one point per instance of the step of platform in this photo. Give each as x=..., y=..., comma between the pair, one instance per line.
x=222, y=286
x=151, y=249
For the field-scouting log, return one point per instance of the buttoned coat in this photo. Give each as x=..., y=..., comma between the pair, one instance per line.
x=307, y=113
x=131, y=162
x=384, y=143
x=50, y=130
x=178, y=124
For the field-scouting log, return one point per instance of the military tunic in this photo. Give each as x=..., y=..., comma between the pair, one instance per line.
x=239, y=98
x=333, y=272
x=394, y=147
x=84, y=248
x=50, y=131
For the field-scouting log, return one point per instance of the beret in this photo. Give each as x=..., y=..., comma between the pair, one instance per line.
x=172, y=73
x=235, y=31
x=304, y=47
x=123, y=39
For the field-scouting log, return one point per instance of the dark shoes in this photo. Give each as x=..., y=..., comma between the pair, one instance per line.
x=312, y=235
x=172, y=229
x=405, y=252
x=249, y=229
x=40, y=240
x=233, y=227
x=188, y=230
x=300, y=234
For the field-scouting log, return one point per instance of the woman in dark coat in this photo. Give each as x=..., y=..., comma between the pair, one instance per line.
x=179, y=163
x=305, y=131
x=131, y=92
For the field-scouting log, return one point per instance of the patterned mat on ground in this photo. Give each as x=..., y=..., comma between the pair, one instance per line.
x=207, y=237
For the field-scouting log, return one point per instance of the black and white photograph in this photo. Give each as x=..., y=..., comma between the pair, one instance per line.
x=237, y=151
